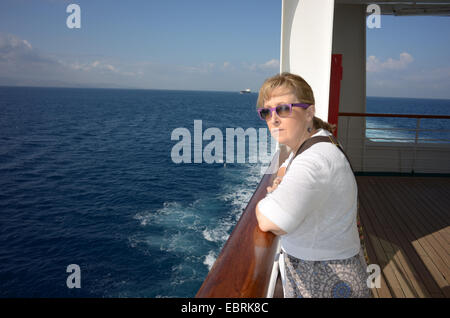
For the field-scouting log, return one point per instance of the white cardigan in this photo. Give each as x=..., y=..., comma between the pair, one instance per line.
x=316, y=205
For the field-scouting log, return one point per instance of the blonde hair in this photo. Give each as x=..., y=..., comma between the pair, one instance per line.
x=301, y=89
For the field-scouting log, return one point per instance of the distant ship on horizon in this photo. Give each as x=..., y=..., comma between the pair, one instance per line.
x=246, y=91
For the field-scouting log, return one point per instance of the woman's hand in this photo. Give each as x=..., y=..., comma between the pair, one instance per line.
x=264, y=223
x=275, y=184
x=277, y=180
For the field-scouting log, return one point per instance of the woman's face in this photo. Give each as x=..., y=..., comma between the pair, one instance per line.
x=292, y=130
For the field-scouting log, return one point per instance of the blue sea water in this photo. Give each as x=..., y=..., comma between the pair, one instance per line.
x=87, y=178
x=431, y=129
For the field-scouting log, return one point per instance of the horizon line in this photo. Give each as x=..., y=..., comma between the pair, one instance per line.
x=181, y=90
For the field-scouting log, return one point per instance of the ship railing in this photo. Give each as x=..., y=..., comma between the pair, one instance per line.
x=246, y=266
x=415, y=136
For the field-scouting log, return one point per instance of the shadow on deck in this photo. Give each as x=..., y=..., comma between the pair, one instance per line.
x=406, y=229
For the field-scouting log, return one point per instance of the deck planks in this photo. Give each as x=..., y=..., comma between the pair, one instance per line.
x=408, y=216
x=431, y=241
x=386, y=251
x=406, y=222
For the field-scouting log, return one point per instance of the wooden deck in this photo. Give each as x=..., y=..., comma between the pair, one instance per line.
x=406, y=223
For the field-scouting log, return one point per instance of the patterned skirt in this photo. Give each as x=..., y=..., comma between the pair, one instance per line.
x=325, y=279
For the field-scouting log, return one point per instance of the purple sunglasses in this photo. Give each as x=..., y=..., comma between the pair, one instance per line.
x=284, y=110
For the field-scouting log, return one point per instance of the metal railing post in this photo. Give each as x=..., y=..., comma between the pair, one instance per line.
x=416, y=140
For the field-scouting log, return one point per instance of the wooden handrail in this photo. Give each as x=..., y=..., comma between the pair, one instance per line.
x=245, y=263
x=394, y=115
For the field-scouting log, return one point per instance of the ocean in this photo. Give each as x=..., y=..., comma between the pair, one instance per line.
x=434, y=130
x=87, y=177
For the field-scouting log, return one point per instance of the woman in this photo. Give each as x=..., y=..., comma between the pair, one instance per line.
x=313, y=205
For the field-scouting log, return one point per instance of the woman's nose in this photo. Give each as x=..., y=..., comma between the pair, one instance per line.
x=274, y=118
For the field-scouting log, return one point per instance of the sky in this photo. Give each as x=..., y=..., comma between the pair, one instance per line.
x=198, y=45
x=409, y=56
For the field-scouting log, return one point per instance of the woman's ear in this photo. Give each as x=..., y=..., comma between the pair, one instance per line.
x=311, y=111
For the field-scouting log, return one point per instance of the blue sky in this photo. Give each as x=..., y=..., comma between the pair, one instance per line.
x=409, y=57
x=198, y=44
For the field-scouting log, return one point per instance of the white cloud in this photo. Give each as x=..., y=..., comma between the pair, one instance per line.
x=422, y=82
x=21, y=63
x=441, y=75
x=227, y=67
x=95, y=66
x=271, y=65
x=202, y=68
x=17, y=51
x=9, y=42
x=373, y=64
x=17, y=56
